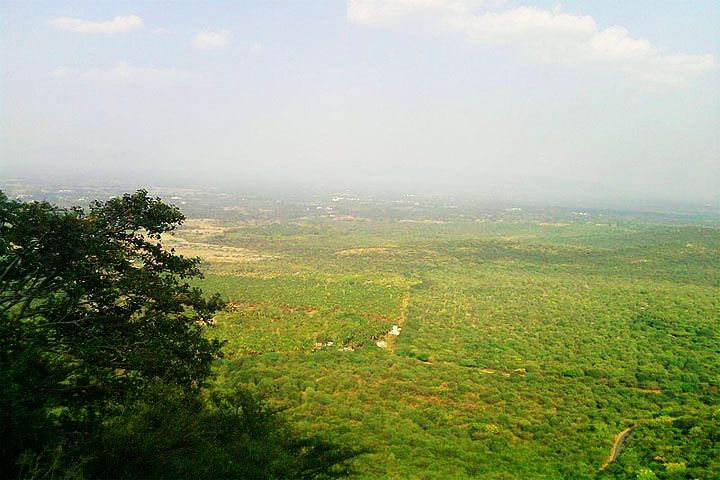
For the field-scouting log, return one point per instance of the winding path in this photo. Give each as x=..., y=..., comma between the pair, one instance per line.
x=620, y=439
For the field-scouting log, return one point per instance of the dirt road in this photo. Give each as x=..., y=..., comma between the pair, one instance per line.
x=617, y=447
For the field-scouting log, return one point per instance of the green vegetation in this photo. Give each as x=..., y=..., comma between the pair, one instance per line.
x=527, y=342
x=678, y=443
x=441, y=341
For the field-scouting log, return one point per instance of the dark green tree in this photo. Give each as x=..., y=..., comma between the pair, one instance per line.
x=93, y=310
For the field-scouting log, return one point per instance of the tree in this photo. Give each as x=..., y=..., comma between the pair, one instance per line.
x=93, y=310
x=102, y=347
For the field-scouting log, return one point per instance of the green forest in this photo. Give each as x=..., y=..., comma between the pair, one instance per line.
x=377, y=342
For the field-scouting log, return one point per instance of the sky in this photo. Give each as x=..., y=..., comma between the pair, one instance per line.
x=604, y=97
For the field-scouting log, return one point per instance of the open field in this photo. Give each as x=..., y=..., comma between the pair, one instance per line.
x=498, y=347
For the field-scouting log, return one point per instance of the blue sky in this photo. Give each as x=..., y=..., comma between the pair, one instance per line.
x=441, y=95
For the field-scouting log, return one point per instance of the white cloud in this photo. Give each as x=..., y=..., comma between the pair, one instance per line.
x=123, y=73
x=211, y=40
x=545, y=35
x=389, y=12
x=159, y=31
x=118, y=24
x=521, y=24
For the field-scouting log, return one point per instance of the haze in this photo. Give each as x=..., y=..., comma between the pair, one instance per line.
x=586, y=98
